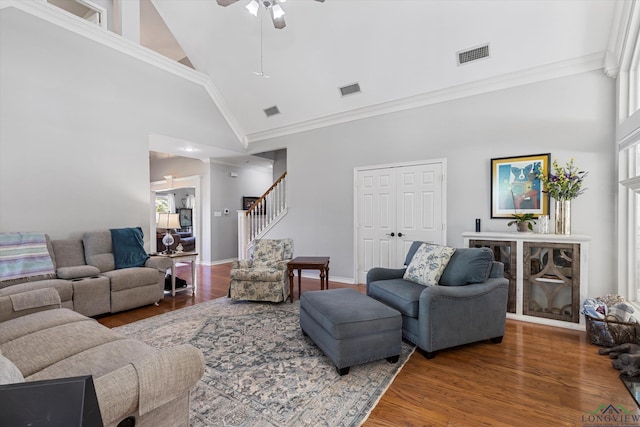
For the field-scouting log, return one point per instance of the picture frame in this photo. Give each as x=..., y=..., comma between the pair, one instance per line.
x=516, y=188
x=186, y=217
x=247, y=202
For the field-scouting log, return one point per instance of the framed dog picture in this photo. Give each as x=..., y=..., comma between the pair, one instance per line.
x=516, y=188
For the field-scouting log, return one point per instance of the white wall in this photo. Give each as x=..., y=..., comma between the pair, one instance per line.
x=75, y=119
x=572, y=116
x=227, y=193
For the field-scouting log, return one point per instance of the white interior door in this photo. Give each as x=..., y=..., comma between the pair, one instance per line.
x=395, y=206
x=419, y=203
x=377, y=218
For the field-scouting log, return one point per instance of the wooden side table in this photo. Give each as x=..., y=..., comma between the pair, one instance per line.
x=184, y=257
x=309, y=263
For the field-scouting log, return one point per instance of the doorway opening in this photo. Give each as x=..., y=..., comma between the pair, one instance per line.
x=180, y=196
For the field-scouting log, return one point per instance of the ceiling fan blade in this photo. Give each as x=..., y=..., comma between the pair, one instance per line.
x=226, y=2
x=321, y=1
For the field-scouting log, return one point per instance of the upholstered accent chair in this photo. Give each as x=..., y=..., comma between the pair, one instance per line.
x=263, y=277
x=466, y=305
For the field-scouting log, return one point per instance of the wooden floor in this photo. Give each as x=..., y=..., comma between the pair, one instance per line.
x=537, y=376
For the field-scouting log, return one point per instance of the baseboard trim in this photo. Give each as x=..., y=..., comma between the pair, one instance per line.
x=217, y=262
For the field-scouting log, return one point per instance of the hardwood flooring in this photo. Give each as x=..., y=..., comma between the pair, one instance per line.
x=537, y=376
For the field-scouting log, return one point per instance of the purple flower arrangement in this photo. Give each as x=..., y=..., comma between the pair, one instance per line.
x=564, y=183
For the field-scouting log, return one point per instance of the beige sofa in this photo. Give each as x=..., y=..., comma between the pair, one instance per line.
x=43, y=341
x=87, y=280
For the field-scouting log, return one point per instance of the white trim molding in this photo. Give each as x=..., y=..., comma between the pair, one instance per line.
x=622, y=27
x=519, y=78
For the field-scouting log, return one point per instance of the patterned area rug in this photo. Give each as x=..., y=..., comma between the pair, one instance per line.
x=262, y=371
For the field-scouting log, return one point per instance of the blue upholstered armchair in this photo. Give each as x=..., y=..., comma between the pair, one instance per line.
x=265, y=276
x=468, y=304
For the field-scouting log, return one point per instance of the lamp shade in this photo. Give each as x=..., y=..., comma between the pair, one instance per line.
x=168, y=220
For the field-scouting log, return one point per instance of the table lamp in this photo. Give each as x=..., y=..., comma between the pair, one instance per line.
x=168, y=221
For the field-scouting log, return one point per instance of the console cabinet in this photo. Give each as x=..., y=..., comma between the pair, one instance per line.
x=547, y=273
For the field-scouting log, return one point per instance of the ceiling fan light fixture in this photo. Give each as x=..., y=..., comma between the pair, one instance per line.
x=253, y=7
x=277, y=10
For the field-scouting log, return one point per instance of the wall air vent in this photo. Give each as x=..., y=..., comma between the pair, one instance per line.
x=350, y=89
x=473, y=54
x=271, y=111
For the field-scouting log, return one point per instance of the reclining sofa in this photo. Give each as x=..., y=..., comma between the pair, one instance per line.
x=43, y=341
x=87, y=280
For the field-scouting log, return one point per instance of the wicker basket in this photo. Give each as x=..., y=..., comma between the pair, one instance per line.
x=609, y=333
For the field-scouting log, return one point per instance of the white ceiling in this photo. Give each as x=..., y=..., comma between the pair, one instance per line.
x=401, y=52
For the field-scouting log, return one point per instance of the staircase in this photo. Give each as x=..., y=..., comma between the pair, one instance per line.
x=255, y=222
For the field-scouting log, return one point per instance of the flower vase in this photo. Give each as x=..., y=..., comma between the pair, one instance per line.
x=563, y=216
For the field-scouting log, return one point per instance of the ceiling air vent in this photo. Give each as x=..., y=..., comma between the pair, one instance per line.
x=474, y=54
x=350, y=89
x=271, y=111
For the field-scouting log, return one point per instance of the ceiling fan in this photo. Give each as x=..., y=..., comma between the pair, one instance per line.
x=272, y=6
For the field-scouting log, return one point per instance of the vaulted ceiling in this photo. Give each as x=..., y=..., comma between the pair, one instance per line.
x=402, y=53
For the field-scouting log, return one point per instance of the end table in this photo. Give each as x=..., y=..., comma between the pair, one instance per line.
x=309, y=263
x=183, y=257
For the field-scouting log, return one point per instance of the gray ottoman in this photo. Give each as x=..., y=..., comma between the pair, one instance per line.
x=351, y=328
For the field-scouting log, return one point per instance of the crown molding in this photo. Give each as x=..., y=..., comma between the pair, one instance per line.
x=505, y=81
x=54, y=15
x=622, y=37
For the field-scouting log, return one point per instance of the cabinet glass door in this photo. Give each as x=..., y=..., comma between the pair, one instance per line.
x=551, y=280
x=505, y=252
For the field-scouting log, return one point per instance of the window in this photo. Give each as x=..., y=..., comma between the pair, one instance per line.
x=628, y=142
x=162, y=203
x=629, y=194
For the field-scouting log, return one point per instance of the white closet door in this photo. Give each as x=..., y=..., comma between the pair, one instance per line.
x=395, y=206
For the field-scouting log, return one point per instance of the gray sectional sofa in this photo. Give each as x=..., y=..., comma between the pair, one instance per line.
x=87, y=280
x=42, y=341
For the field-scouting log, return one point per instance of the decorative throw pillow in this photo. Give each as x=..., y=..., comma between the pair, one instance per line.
x=428, y=263
x=466, y=266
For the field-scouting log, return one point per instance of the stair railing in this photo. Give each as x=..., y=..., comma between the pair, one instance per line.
x=262, y=215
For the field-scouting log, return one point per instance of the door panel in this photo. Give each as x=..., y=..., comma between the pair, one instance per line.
x=376, y=219
x=404, y=200
x=421, y=192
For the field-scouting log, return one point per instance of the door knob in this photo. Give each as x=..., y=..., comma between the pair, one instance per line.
x=399, y=234
x=391, y=234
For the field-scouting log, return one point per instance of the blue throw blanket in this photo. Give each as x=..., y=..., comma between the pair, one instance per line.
x=128, y=247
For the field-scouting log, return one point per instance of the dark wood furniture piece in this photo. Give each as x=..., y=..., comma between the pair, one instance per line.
x=309, y=263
